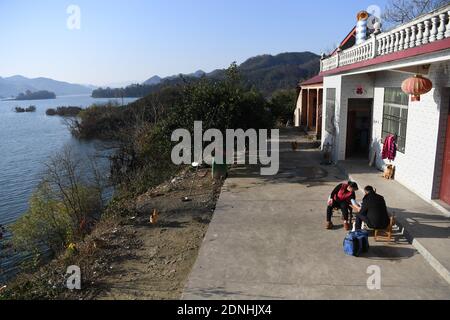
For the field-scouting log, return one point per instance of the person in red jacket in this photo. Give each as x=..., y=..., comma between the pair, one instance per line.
x=341, y=198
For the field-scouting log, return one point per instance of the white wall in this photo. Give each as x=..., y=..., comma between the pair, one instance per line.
x=420, y=166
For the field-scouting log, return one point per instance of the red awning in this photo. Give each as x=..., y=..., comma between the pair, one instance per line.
x=314, y=80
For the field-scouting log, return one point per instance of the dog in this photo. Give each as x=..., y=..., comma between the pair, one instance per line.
x=294, y=145
x=154, y=217
x=389, y=172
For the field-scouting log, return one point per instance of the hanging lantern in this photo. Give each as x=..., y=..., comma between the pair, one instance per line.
x=416, y=86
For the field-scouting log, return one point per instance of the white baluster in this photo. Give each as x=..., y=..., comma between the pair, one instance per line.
x=391, y=43
x=441, y=30
x=402, y=40
x=412, y=40
x=434, y=31
x=447, y=32
x=379, y=47
x=383, y=46
x=407, y=32
x=419, y=34
x=426, y=33
x=396, y=42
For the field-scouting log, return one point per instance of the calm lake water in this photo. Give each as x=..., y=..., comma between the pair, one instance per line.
x=27, y=141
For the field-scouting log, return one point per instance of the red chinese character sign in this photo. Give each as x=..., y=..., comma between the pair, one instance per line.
x=360, y=90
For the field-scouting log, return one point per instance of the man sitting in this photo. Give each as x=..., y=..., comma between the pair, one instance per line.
x=341, y=198
x=373, y=211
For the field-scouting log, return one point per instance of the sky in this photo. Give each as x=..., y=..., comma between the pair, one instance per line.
x=122, y=41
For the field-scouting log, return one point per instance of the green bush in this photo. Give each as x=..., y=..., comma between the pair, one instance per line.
x=282, y=105
x=62, y=208
x=47, y=222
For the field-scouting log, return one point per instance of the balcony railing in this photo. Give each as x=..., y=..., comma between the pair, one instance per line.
x=426, y=29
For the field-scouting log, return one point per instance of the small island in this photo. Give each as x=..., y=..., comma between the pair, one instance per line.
x=38, y=95
x=64, y=111
x=23, y=110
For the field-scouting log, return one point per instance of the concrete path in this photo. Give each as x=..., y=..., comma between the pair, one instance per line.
x=426, y=227
x=267, y=241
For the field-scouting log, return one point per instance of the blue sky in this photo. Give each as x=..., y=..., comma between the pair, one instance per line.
x=132, y=40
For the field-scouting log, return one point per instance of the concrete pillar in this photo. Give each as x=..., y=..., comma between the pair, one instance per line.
x=312, y=109
x=304, y=108
x=298, y=110
x=309, y=123
x=319, y=113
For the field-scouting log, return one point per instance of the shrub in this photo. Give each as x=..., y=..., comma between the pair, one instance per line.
x=47, y=222
x=50, y=112
x=282, y=105
x=98, y=121
x=64, y=111
x=61, y=210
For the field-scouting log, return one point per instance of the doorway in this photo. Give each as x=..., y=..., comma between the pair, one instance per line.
x=359, y=128
x=445, y=183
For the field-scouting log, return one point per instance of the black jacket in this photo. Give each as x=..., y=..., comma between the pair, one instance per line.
x=374, y=208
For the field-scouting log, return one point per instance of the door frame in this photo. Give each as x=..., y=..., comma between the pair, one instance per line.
x=371, y=102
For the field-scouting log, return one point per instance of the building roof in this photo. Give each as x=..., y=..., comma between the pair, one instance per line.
x=318, y=79
x=348, y=42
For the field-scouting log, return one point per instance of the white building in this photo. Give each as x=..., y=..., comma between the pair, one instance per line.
x=363, y=102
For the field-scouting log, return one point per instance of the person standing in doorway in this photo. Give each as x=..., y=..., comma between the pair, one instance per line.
x=341, y=198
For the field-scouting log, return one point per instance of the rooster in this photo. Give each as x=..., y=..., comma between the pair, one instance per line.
x=154, y=217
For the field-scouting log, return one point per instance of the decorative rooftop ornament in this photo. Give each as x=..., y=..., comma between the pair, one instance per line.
x=361, y=27
x=362, y=15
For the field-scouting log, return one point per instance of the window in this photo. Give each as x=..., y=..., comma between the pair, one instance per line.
x=331, y=110
x=395, y=115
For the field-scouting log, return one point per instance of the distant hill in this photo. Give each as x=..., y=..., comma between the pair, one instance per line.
x=153, y=81
x=268, y=73
x=13, y=86
x=265, y=73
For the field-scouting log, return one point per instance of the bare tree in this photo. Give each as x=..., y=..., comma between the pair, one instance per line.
x=402, y=11
x=82, y=199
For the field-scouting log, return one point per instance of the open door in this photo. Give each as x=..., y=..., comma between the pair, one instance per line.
x=359, y=128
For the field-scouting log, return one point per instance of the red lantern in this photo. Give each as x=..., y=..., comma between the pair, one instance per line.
x=416, y=86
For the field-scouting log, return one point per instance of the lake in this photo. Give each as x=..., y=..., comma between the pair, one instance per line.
x=27, y=141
